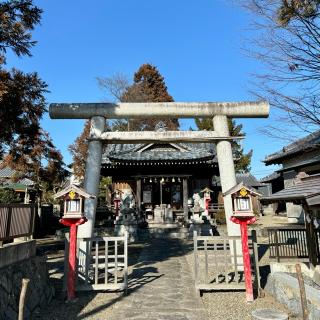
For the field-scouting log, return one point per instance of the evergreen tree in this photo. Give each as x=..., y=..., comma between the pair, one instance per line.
x=24, y=145
x=79, y=151
x=148, y=86
x=243, y=161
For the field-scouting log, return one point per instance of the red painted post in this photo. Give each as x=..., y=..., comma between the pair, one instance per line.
x=73, y=224
x=207, y=200
x=116, y=204
x=244, y=221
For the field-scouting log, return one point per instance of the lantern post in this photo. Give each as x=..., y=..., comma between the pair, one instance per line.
x=73, y=198
x=117, y=200
x=207, y=199
x=243, y=215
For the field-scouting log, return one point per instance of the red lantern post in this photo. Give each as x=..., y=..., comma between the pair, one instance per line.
x=243, y=215
x=116, y=206
x=73, y=224
x=73, y=198
x=243, y=222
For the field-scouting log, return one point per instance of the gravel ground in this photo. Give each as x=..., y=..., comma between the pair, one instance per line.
x=232, y=305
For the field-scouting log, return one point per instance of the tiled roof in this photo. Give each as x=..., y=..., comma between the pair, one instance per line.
x=303, y=188
x=156, y=152
x=270, y=177
x=312, y=141
x=6, y=172
x=248, y=180
x=26, y=182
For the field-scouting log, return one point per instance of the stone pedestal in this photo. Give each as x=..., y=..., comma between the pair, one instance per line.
x=158, y=214
x=168, y=215
x=126, y=221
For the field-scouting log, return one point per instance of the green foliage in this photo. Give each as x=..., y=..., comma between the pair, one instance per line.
x=290, y=10
x=17, y=19
x=105, y=181
x=22, y=105
x=148, y=86
x=28, y=149
x=9, y=196
x=243, y=160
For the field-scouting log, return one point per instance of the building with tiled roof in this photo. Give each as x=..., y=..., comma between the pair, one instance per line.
x=6, y=175
x=166, y=173
x=303, y=155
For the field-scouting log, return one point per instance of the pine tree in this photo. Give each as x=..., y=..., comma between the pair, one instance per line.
x=243, y=161
x=148, y=86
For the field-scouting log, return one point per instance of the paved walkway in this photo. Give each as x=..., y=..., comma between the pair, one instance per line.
x=161, y=286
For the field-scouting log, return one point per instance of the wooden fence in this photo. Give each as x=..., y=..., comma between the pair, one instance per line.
x=106, y=265
x=290, y=243
x=218, y=265
x=16, y=220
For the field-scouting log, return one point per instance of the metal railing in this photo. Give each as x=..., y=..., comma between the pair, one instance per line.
x=287, y=243
x=16, y=220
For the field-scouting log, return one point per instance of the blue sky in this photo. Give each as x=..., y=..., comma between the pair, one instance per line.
x=196, y=45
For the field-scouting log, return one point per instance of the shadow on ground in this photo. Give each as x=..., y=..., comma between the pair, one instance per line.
x=93, y=305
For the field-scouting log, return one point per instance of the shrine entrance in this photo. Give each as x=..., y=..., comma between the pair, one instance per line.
x=99, y=112
x=174, y=191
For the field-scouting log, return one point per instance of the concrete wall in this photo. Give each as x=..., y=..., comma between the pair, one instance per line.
x=17, y=251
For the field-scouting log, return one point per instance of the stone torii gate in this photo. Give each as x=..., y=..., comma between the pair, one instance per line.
x=99, y=112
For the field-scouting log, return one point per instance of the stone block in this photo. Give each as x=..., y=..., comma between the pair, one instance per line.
x=285, y=289
x=10, y=286
x=268, y=314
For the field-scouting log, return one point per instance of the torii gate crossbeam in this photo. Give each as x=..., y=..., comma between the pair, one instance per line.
x=99, y=112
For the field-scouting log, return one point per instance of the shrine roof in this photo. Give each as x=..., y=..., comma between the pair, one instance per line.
x=159, y=152
x=248, y=180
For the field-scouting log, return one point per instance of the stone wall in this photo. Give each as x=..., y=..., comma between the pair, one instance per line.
x=285, y=288
x=17, y=251
x=39, y=292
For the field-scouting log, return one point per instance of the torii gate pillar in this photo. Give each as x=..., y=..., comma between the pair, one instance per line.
x=92, y=176
x=226, y=169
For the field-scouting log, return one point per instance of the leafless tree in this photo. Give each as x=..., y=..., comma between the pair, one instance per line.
x=288, y=45
x=116, y=85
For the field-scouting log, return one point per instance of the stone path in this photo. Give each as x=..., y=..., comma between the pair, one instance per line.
x=161, y=286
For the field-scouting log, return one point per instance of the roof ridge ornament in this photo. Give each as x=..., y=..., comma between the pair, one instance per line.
x=160, y=126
